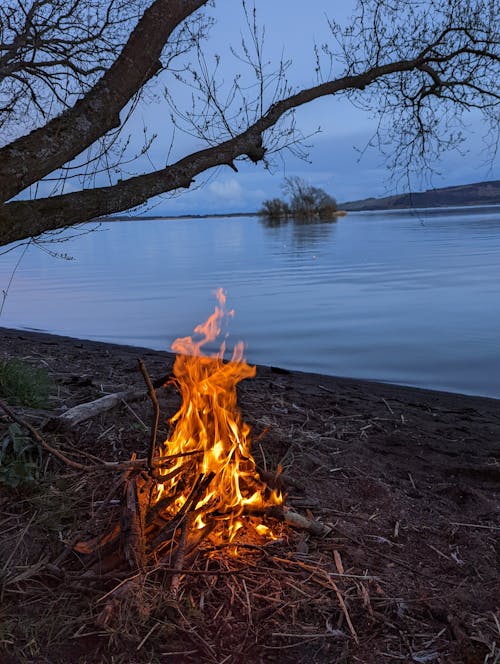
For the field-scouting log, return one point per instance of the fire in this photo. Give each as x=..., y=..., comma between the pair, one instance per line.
x=214, y=477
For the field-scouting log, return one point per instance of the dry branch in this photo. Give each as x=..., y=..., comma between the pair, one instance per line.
x=294, y=519
x=132, y=524
x=156, y=410
x=59, y=455
x=280, y=480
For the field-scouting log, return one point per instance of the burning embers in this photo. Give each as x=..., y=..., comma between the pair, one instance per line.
x=213, y=480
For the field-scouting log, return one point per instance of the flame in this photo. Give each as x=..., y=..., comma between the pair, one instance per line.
x=209, y=432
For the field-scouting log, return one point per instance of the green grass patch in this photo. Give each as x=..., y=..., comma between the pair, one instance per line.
x=19, y=458
x=25, y=385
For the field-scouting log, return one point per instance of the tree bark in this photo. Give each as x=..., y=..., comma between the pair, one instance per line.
x=30, y=158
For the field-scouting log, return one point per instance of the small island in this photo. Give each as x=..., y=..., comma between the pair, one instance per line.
x=304, y=202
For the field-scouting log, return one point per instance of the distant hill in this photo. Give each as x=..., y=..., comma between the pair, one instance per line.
x=479, y=193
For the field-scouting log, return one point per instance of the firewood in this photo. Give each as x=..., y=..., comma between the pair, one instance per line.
x=197, y=490
x=294, y=519
x=178, y=560
x=280, y=481
x=156, y=412
x=92, y=545
x=132, y=522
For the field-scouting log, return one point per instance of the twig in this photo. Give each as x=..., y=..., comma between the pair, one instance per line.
x=175, y=580
x=388, y=407
x=156, y=412
x=103, y=465
x=280, y=480
x=344, y=609
x=155, y=626
x=474, y=525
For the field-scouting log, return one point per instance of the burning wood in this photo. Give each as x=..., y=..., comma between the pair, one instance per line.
x=209, y=420
x=202, y=483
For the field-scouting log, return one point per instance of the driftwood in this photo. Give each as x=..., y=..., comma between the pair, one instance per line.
x=85, y=411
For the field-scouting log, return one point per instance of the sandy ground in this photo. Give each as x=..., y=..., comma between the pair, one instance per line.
x=407, y=479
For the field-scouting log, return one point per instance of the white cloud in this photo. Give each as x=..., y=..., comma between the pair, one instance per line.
x=228, y=190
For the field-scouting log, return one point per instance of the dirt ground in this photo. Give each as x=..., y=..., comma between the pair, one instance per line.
x=407, y=479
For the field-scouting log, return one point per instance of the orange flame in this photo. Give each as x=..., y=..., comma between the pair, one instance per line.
x=210, y=433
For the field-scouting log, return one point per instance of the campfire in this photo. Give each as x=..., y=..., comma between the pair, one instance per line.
x=200, y=490
x=206, y=471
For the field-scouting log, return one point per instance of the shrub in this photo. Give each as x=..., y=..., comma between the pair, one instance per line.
x=306, y=202
x=275, y=209
x=19, y=458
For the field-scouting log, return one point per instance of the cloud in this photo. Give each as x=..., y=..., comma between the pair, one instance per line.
x=229, y=190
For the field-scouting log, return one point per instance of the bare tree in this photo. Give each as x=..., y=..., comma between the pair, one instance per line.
x=75, y=68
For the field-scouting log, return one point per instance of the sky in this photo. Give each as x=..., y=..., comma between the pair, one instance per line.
x=337, y=159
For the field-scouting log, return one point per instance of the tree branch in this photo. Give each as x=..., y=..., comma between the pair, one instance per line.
x=32, y=157
x=20, y=219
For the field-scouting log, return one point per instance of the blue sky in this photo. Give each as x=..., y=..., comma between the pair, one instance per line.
x=292, y=27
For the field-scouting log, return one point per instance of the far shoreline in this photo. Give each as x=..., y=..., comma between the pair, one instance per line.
x=341, y=213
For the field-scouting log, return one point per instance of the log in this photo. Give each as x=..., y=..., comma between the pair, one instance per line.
x=85, y=411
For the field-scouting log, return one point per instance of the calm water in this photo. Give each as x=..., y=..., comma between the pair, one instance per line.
x=402, y=297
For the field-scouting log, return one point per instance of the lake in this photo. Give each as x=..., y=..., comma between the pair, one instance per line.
x=404, y=297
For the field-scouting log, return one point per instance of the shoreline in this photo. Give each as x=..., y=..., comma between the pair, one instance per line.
x=385, y=389
x=407, y=480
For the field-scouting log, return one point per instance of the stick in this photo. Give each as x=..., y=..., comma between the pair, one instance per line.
x=156, y=412
x=175, y=580
x=202, y=482
x=344, y=610
x=40, y=440
x=132, y=527
x=103, y=465
x=279, y=480
x=293, y=519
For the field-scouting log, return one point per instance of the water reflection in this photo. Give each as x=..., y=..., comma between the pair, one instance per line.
x=305, y=231
x=279, y=222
